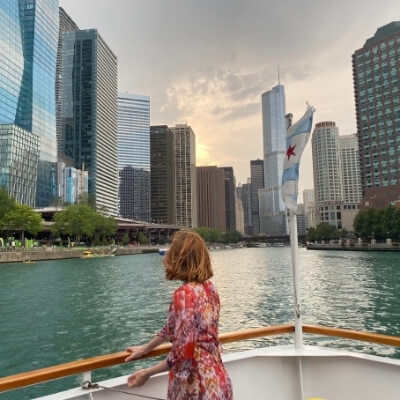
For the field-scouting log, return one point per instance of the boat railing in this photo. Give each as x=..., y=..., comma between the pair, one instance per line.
x=87, y=365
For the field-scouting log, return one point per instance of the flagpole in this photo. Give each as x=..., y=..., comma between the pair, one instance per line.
x=298, y=337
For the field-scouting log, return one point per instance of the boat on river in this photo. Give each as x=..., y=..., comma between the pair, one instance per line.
x=163, y=252
x=96, y=254
x=275, y=372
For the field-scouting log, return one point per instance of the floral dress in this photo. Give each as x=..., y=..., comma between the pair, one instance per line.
x=196, y=369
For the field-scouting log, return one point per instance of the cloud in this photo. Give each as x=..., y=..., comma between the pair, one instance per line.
x=207, y=62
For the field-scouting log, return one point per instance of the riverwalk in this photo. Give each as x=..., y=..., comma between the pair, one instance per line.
x=10, y=256
x=351, y=246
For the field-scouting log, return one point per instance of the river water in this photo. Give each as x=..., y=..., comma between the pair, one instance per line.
x=53, y=312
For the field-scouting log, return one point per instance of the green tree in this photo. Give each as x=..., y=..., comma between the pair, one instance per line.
x=325, y=231
x=23, y=219
x=75, y=221
x=125, y=239
x=209, y=235
x=103, y=227
x=142, y=239
x=311, y=234
x=6, y=204
x=391, y=222
x=368, y=223
x=232, y=237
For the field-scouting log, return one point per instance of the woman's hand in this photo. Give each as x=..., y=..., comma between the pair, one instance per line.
x=138, y=378
x=136, y=352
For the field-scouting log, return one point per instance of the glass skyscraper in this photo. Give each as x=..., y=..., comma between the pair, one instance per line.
x=28, y=46
x=89, y=113
x=272, y=209
x=134, y=156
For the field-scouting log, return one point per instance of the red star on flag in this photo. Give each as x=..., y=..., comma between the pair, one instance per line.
x=290, y=152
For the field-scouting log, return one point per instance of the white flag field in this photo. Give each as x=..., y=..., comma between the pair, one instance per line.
x=296, y=139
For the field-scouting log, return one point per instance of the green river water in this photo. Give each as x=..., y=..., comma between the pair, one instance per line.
x=53, y=312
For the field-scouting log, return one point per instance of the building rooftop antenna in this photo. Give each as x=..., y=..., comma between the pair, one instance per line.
x=279, y=75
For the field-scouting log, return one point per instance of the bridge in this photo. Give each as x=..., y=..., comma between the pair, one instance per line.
x=156, y=233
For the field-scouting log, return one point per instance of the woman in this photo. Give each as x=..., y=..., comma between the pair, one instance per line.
x=194, y=363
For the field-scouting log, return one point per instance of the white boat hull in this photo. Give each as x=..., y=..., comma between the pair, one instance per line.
x=273, y=373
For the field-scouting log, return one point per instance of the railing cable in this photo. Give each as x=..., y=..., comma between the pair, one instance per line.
x=90, y=385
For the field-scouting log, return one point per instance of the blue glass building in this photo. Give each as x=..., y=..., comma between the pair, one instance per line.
x=89, y=100
x=134, y=156
x=28, y=48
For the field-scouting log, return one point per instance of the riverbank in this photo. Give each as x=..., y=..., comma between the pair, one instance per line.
x=354, y=247
x=62, y=254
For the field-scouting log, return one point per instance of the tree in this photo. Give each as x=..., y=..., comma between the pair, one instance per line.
x=311, y=234
x=232, y=237
x=369, y=223
x=103, y=227
x=391, y=222
x=24, y=219
x=142, y=239
x=323, y=231
x=125, y=239
x=209, y=235
x=75, y=221
x=6, y=204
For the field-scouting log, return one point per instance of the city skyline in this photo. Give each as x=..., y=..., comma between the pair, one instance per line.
x=218, y=87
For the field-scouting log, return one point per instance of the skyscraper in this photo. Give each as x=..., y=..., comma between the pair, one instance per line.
x=28, y=29
x=350, y=169
x=89, y=113
x=134, y=156
x=186, y=197
x=163, y=182
x=257, y=183
x=376, y=75
x=67, y=24
x=244, y=194
x=309, y=208
x=230, y=199
x=332, y=174
x=211, y=197
x=272, y=209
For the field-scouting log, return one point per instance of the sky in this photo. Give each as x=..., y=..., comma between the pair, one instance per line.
x=207, y=62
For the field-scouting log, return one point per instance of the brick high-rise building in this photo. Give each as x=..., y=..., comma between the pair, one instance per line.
x=186, y=197
x=211, y=197
x=376, y=75
x=163, y=182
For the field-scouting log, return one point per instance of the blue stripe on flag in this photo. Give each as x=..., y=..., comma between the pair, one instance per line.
x=303, y=127
x=291, y=173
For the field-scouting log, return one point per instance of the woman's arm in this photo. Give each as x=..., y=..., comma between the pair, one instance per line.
x=140, y=377
x=139, y=351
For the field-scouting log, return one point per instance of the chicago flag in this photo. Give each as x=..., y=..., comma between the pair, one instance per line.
x=296, y=140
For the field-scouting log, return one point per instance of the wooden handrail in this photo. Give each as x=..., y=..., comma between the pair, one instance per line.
x=354, y=335
x=108, y=360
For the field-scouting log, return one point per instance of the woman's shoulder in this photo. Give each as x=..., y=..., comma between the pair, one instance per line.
x=193, y=288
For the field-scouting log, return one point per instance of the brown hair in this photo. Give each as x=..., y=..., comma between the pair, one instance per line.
x=187, y=258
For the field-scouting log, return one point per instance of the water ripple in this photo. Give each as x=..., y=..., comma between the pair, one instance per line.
x=55, y=312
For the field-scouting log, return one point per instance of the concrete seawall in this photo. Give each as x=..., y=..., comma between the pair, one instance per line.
x=377, y=247
x=36, y=255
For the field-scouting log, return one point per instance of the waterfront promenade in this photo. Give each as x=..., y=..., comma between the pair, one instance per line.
x=59, y=254
x=351, y=245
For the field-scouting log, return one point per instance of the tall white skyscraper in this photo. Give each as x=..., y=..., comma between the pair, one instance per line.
x=272, y=209
x=335, y=163
x=350, y=166
x=309, y=207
